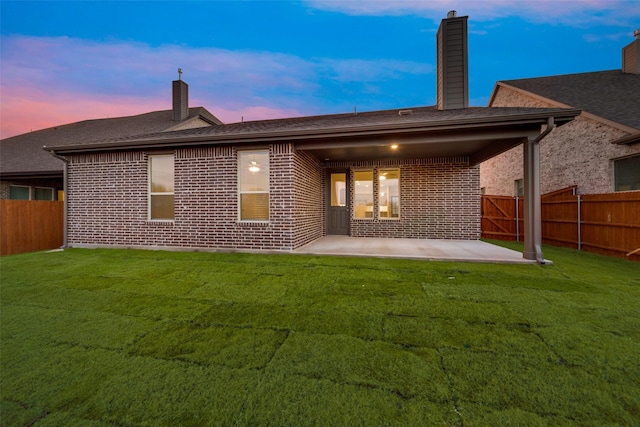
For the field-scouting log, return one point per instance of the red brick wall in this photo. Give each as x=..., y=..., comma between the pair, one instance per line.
x=309, y=200
x=439, y=199
x=107, y=198
x=108, y=201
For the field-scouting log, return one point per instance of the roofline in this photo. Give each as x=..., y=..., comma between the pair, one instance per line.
x=561, y=116
x=555, y=103
x=192, y=119
x=634, y=138
x=50, y=174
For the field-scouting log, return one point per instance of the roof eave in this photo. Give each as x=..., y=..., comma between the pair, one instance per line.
x=561, y=116
x=32, y=174
x=634, y=138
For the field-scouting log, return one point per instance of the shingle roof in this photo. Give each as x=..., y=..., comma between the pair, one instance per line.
x=23, y=154
x=612, y=95
x=330, y=123
x=477, y=133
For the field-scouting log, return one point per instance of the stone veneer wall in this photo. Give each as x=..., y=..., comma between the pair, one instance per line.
x=108, y=201
x=439, y=199
x=578, y=153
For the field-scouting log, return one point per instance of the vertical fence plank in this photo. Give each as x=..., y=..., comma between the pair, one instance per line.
x=498, y=218
x=30, y=225
x=611, y=223
x=607, y=224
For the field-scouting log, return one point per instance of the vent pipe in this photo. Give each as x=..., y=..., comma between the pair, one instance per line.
x=180, y=98
x=452, y=76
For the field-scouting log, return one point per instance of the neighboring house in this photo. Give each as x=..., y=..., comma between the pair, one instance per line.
x=599, y=151
x=28, y=172
x=279, y=184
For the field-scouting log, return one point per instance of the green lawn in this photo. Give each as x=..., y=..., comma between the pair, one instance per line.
x=113, y=337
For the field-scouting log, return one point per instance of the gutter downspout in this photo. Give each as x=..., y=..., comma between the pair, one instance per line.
x=533, y=210
x=65, y=242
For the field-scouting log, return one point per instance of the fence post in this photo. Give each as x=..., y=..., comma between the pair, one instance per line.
x=517, y=221
x=579, y=226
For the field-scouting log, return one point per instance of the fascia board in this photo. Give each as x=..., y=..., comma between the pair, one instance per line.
x=301, y=135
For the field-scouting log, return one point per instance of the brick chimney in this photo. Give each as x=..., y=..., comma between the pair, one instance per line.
x=631, y=55
x=452, y=76
x=180, y=98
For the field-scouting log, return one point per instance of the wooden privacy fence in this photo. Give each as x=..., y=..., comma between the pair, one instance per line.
x=30, y=225
x=607, y=224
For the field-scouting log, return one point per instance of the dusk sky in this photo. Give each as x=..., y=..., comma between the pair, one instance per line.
x=63, y=62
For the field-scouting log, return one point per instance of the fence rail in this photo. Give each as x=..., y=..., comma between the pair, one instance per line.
x=30, y=225
x=607, y=224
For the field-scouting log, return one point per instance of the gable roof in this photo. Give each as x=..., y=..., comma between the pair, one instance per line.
x=611, y=95
x=23, y=156
x=425, y=131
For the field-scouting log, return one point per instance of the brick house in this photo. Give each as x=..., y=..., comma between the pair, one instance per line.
x=28, y=172
x=599, y=152
x=280, y=184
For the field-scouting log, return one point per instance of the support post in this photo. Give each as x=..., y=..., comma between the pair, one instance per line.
x=532, y=204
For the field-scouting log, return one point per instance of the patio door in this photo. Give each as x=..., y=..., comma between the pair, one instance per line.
x=338, y=202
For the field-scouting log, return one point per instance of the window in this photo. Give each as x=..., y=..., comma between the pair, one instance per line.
x=23, y=192
x=389, y=193
x=338, y=189
x=161, y=187
x=253, y=185
x=19, y=192
x=519, y=187
x=43, y=193
x=363, y=194
x=627, y=174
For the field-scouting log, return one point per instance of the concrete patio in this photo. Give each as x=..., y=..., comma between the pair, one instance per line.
x=426, y=249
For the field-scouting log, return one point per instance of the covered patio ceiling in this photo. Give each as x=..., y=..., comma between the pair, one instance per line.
x=478, y=139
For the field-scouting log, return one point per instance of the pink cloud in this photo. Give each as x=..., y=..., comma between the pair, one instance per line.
x=48, y=81
x=53, y=81
x=26, y=109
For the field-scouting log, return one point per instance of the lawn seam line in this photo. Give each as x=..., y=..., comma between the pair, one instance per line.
x=39, y=418
x=251, y=395
x=364, y=385
x=452, y=391
x=286, y=337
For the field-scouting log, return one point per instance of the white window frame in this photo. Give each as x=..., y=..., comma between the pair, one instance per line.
x=239, y=188
x=373, y=195
x=165, y=193
x=388, y=218
x=21, y=186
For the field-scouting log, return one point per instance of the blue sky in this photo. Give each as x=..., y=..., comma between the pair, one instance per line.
x=67, y=61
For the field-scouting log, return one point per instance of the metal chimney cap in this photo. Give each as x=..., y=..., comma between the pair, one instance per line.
x=452, y=14
x=636, y=34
